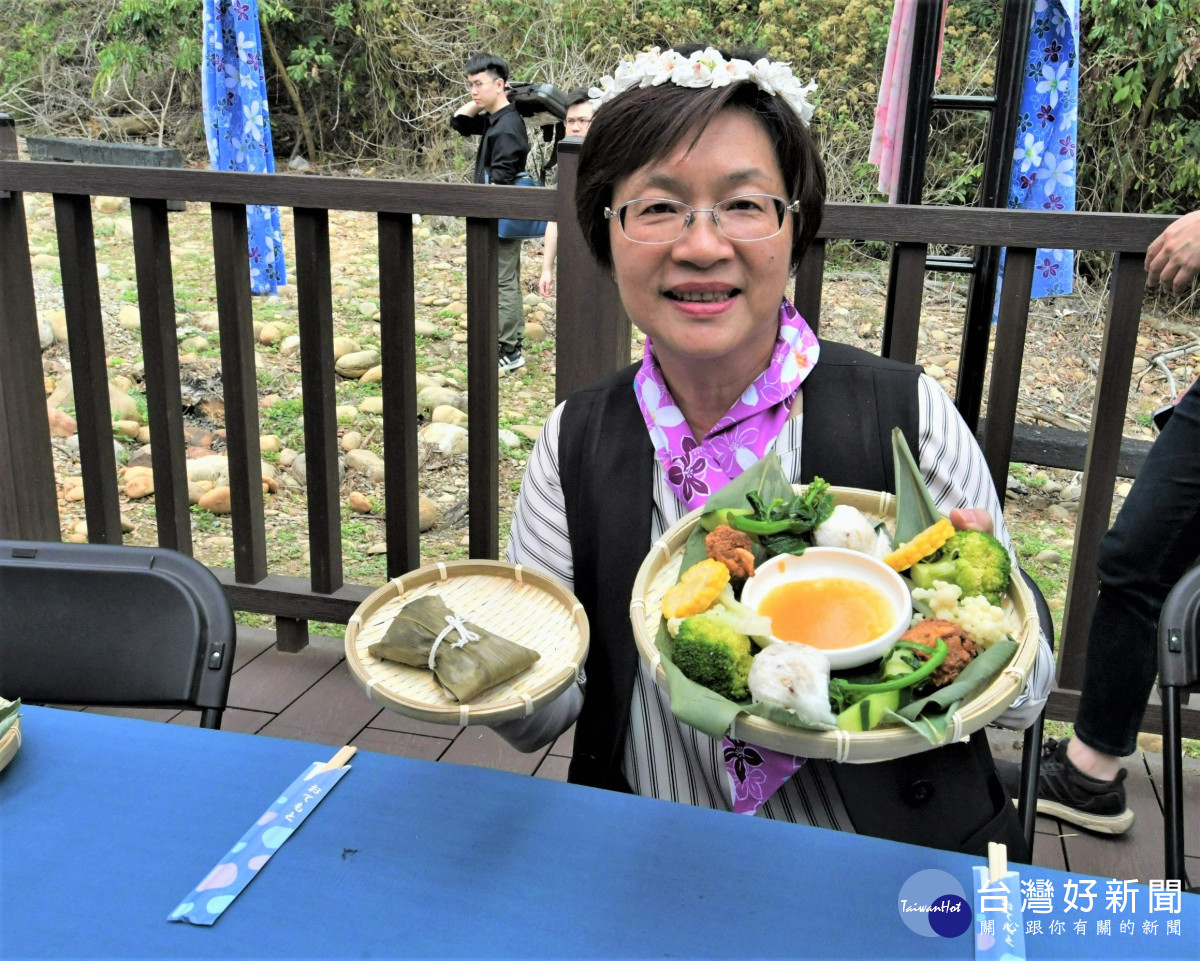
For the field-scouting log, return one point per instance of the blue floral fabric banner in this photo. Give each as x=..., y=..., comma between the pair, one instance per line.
x=1043, y=170
x=236, y=124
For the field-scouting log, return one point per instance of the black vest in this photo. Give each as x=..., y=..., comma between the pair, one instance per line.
x=852, y=400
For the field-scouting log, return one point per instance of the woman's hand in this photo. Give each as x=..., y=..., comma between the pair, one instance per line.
x=546, y=283
x=972, y=519
x=1173, y=258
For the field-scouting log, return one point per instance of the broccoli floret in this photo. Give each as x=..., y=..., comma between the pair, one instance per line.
x=974, y=561
x=714, y=655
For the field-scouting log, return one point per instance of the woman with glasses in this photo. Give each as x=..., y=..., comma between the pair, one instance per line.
x=700, y=188
x=577, y=121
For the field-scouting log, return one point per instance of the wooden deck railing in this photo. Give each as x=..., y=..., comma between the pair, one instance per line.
x=592, y=339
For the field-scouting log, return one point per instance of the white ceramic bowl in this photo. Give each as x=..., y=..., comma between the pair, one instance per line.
x=837, y=562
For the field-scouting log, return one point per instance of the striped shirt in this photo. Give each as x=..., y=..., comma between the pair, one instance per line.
x=667, y=759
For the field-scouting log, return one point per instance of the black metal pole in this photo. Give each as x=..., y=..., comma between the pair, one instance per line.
x=1002, y=131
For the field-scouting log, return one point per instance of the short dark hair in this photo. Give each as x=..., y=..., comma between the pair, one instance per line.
x=488, y=62
x=645, y=124
x=578, y=96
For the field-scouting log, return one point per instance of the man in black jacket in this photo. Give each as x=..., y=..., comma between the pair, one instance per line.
x=503, y=148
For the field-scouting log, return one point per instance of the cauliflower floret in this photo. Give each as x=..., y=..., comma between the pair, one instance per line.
x=942, y=598
x=985, y=623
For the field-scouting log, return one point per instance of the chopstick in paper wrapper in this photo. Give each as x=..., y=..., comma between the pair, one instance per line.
x=999, y=927
x=245, y=859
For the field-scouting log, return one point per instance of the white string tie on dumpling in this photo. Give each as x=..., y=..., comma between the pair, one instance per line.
x=454, y=622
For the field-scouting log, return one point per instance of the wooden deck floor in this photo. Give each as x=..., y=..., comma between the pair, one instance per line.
x=310, y=696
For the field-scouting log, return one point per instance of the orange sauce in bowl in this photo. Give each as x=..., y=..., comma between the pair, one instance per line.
x=827, y=612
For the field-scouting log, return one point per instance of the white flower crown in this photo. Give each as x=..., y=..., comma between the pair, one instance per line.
x=704, y=68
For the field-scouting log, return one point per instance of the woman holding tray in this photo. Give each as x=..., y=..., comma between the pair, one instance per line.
x=700, y=188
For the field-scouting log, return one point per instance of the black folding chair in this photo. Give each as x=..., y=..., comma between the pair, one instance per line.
x=102, y=625
x=1031, y=748
x=1178, y=673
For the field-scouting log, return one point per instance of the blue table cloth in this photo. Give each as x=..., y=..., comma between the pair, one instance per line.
x=106, y=822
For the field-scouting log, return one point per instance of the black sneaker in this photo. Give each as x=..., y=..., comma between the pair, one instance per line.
x=511, y=360
x=1066, y=793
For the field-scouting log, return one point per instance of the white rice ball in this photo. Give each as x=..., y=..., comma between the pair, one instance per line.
x=794, y=677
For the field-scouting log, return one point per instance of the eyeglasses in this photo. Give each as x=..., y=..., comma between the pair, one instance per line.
x=655, y=220
x=581, y=121
x=476, y=84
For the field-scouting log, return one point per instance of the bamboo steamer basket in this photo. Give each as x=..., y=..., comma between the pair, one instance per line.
x=660, y=570
x=516, y=602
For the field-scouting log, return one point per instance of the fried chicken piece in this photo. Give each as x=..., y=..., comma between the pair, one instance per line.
x=962, y=648
x=733, y=549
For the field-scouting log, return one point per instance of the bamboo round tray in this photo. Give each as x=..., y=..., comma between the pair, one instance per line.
x=9, y=743
x=516, y=602
x=660, y=570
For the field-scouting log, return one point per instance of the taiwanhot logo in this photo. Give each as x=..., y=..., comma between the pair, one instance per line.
x=934, y=905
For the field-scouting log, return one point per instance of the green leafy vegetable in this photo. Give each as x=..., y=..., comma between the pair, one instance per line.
x=781, y=524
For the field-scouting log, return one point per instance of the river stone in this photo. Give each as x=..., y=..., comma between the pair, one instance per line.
x=62, y=424
x=351, y=440
x=426, y=513
x=58, y=322
x=531, y=431
x=364, y=461
x=508, y=439
x=445, y=414
x=445, y=437
x=129, y=317
x=45, y=333
x=371, y=405
x=139, y=484
x=290, y=345
x=140, y=457
x=372, y=376
x=357, y=363
x=534, y=332
x=270, y=334
x=213, y=468
x=219, y=500
x=432, y=397
x=123, y=406
x=423, y=328
x=343, y=346
x=427, y=380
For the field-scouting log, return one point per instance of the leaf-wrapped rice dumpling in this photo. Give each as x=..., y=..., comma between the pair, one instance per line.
x=464, y=663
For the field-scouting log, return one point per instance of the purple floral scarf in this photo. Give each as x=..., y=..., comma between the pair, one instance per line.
x=695, y=469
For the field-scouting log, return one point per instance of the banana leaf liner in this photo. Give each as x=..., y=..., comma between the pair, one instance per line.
x=985, y=688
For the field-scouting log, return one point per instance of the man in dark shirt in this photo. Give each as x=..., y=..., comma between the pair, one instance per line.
x=503, y=148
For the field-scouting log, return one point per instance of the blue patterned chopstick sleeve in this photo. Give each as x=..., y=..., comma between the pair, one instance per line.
x=246, y=858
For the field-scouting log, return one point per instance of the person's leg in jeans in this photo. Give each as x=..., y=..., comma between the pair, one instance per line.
x=1150, y=546
x=512, y=310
